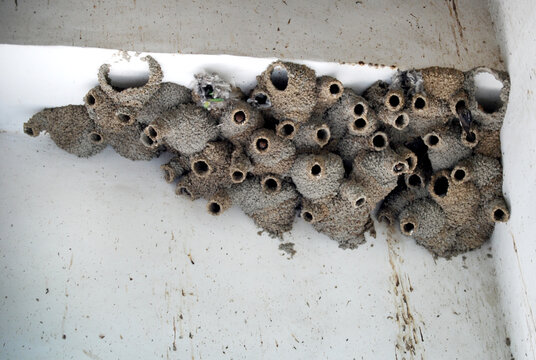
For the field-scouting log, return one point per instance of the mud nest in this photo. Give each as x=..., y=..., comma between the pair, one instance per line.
x=421, y=153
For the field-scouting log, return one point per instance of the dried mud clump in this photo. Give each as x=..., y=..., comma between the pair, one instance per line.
x=421, y=153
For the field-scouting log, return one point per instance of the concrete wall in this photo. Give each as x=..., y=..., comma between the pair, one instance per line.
x=405, y=33
x=514, y=243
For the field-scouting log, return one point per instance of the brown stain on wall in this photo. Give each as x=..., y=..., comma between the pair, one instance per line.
x=174, y=335
x=453, y=12
x=532, y=325
x=410, y=339
x=457, y=18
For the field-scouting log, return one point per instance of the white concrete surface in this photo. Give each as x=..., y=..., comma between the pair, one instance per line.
x=515, y=244
x=411, y=33
x=100, y=260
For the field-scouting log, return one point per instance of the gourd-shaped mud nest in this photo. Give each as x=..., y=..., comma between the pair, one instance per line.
x=421, y=153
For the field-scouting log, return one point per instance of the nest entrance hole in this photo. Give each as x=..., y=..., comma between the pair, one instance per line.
x=359, y=109
x=307, y=216
x=419, y=103
x=459, y=174
x=334, y=89
x=499, y=215
x=262, y=144
x=379, y=141
x=90, y=99
x=408, y=227
x=279, y=78
x=201, y=168
x=360, y=123
x=271, y=185
x=95, y=137
x=237, y=176
x=239, y=117
x=214, y=208
x=316, y=170
x=488, y=92
x=129, y=74
x=415, y=180
x=441, y=186
x=394, y=101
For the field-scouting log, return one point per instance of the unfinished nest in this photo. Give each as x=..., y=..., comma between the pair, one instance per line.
x=424, y=150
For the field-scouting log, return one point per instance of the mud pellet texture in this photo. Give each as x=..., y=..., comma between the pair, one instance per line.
x=420, y=152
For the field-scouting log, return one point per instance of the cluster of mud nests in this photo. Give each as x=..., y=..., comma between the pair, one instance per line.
x=422, y=153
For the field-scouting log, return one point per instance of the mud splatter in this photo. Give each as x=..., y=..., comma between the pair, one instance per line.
x=288, y=248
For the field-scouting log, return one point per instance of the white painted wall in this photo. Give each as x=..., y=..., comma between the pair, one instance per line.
x=514, y=243
x=102, y=251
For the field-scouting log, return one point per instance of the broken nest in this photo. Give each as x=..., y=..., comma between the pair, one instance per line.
x=421, y=153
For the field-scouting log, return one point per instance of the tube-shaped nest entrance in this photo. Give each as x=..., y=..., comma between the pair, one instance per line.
x=238, y=176
x=359, y=125
x=500, y=215
x=151, y=132
x=219, y=203
x=95, y=138
x=146, y=140
x=184, y=191
x=360, y=109
x=28, y=130
x=379, y=141
x=360, y=201
x=419, y=103
x=261, y=99
x=334, y=89
x=240, y=117
x=458, y=103
x=124, y=119
x=399, y=167
x=459, y=174
x=394, y=100
x=432, y=140
x=169, y=175
x=262, y=144
x=322, y=135
x=470, y=139
x=308, y=216
x=90, y=99
x=214, y=208
x=271, y=184
x=412, y=160
x=401, y=121
x=499, y=210
x=201, y=168
x=286, y=129
x=385, y=218
x=407, y=227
